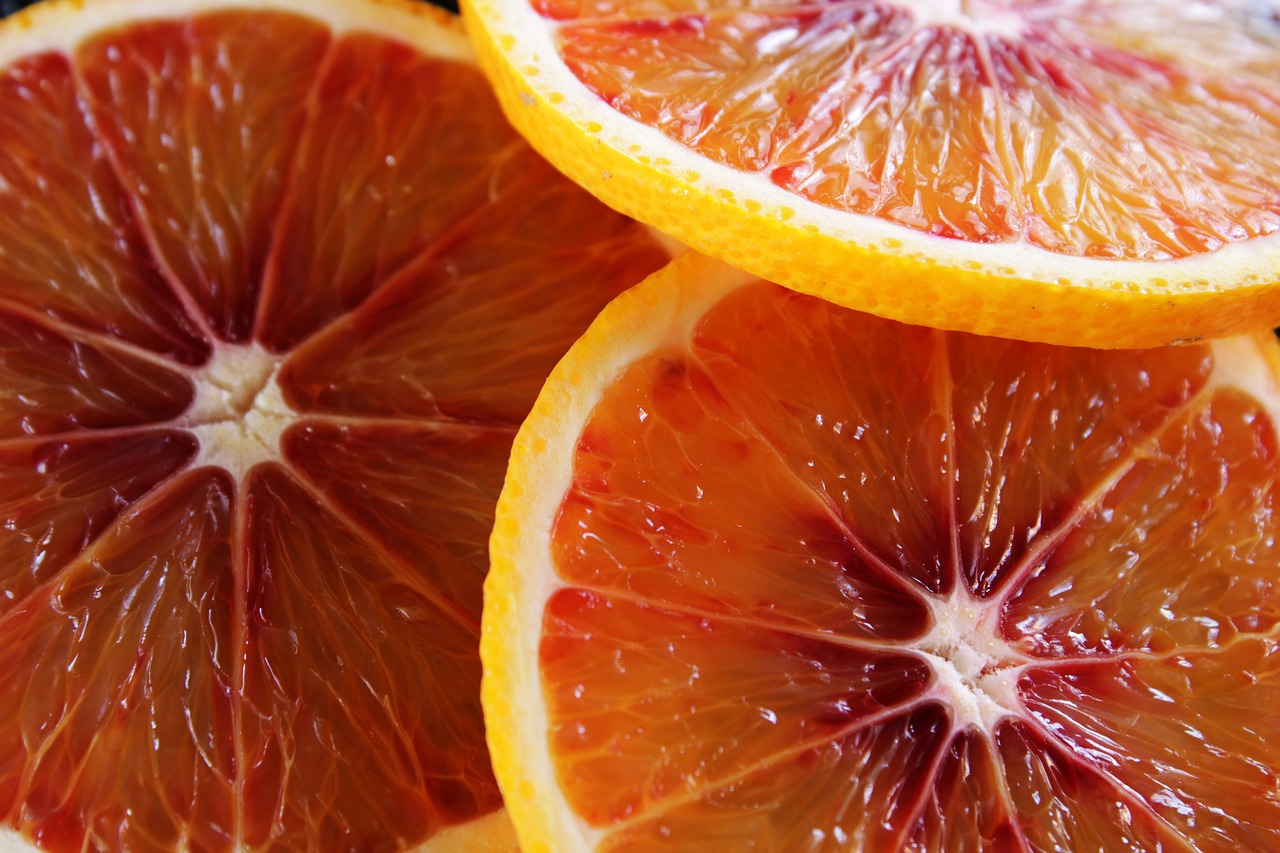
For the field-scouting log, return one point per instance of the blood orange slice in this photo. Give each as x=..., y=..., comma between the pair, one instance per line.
x=771, y=573
x=1074, y=172
x=276, y=287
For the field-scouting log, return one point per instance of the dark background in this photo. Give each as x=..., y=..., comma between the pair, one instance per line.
x=7, y=6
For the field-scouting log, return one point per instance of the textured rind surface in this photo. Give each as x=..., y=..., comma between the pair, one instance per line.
x=1006, y=291
x=60, y=25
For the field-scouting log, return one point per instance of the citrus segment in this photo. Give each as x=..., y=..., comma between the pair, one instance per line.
x=1016, y=168
x=627, y=682
x=1068, y=555
x=69, y=245
x=112, y=750
x=401, y=147
x=1065, y=806
x=844, y=428
x=1191, y=734
x=262, y=385
x=1119, y=580
x=530, y=261
x=384, y=672
x=55, y=380
x=170, y=90
x=61, y=495
x=808, y=798
x=424, y=493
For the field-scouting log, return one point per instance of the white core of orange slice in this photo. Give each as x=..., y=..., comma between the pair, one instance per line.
x=975, y=670
x=239, y=413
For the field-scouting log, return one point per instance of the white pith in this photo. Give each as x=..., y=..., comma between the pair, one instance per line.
x=1236, y=365
x=974, y=16
x=239, y=413
x=975, y=670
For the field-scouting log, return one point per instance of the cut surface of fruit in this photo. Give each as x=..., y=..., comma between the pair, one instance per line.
x=768, y=571
x=277, y=285
x=1074, y=172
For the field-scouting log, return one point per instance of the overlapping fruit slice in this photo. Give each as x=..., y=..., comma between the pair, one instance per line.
x=769, y=572
x=1061, y=171
x=276, y=288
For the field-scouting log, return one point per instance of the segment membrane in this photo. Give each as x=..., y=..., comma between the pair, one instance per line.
x=69, y=247
x=1061, y=125
x=425, y=493
x=649, y=708
x=1180, y=554
x=473, y=332
x=116, y=706
x=364, y=728
x=401, y=147
x=202, y=116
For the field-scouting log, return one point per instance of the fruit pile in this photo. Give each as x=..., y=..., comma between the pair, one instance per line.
x=368, y=482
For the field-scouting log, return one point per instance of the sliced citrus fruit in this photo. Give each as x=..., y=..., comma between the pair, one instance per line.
x=770, y=573
x=277, y=285
x=1079, y=173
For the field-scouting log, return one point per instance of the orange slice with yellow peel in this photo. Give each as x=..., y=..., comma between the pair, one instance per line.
x=277, y=285
x=1074, y=172
x=769, y=573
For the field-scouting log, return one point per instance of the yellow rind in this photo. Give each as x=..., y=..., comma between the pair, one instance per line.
x=993, y=289
x=659, y=310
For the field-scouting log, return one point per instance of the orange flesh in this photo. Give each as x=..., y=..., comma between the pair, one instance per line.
x=832, y=580
x=285, y=655
x=1089, y=129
